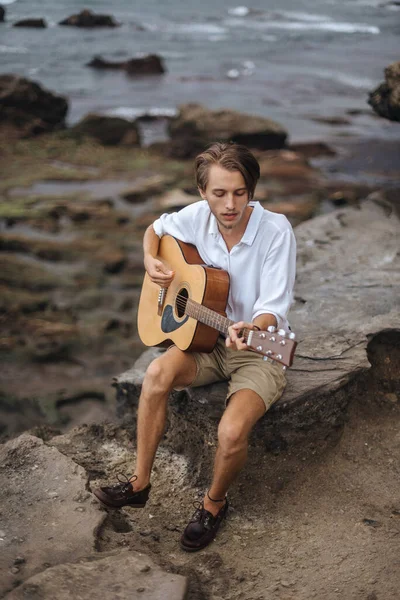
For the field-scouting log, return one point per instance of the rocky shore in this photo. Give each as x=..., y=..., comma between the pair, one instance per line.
x=74, y=205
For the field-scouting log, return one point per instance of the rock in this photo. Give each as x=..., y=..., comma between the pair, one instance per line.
x=345, y=318
x=150, y=64
x=110, y=131
x=87, y=18
x=196, y=126
x=385, y=99
x=331, y=120
x=109, y=576
x=2, y=14
x=146, y=65
x=29, y=108
x=38, y=23
x=312, y=149
x=35, y=527
x=176, y=199
x=146, y=188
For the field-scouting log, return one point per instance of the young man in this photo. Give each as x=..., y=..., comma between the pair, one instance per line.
x=258, y=249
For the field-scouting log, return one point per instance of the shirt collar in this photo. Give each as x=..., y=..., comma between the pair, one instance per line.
x=252, y=225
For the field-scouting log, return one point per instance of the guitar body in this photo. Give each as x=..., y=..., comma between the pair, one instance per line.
x=205, y=285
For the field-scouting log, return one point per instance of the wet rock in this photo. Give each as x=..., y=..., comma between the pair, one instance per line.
x=176, y=199
x=331, y=120
x=109, y=576
x=38, y=23
x=312, y=149
x=110, y=131
x=35, y=525
x=29, y=108
x=150, y=64
x=87, y=18
x=146, y=188
x=346, y=301
x=196, y=126
x=385, y=99
x=2, y=14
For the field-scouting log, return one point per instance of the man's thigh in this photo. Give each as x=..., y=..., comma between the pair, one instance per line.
x=181, y=366
x=251, y=372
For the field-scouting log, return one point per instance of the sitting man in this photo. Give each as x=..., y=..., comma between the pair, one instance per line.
x=258, y=250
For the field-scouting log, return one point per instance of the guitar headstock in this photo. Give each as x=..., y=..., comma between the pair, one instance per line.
x=276, y=344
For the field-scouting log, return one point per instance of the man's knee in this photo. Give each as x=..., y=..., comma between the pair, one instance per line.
x=232, y=436
x=158, y=377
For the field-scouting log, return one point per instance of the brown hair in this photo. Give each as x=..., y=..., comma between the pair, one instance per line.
x=232, y=157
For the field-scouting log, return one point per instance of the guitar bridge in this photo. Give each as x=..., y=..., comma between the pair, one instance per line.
x=161, y=299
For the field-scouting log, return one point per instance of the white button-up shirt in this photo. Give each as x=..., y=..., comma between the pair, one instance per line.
x=261, y=266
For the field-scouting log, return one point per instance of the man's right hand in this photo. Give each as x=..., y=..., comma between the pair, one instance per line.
x=158, y=272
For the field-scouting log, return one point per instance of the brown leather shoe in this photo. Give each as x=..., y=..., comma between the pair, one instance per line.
x=123, y=494
x=202, y=528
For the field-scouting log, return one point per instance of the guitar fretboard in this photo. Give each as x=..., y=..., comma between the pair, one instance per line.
x=209, y=317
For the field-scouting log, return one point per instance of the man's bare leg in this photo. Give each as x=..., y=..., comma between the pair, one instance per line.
x=245, y=408
x=172, y=369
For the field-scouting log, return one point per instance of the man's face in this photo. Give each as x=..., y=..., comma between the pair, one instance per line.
x=227, y=196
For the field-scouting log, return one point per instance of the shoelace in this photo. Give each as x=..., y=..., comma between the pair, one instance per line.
x=202, y=515
x=123, y=484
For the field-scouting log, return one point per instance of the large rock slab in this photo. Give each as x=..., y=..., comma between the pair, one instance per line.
x=196, y=126
x=28, y=107
x=122, y=576
x=47, y=515
x=385, y=99
x=346, y=298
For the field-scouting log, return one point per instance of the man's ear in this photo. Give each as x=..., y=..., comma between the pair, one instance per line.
x=202, y=193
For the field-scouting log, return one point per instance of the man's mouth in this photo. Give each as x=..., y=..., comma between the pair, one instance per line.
x=229, y=216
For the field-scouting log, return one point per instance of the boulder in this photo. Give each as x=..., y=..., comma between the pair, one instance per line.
x=87, y=18
x=150, y=64
x=29, y=108
x=345, y=305
x=2, y=13
x=38, y=23
x=196, y=126
x=110, y=131
x=385, y=99
x=124, y=576
x=41, y=491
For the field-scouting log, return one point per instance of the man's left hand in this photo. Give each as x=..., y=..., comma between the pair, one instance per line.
x=235, y=339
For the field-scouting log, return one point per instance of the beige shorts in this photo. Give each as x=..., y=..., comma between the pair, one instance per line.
x=244, y=370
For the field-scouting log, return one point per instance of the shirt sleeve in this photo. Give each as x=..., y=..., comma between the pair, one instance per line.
x=277, y=279
x=180, y=225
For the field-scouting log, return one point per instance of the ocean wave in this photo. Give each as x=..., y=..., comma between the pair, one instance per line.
x=194, y=28
x=239, y=11
x=131, y=113
x=8, y=1
x=13, y=49
x=332, y=26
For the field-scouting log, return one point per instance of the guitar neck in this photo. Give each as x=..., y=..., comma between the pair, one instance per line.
x=208, y=317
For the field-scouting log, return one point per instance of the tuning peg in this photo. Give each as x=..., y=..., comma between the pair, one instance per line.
x=283, y=368
x=282, y=332
x=292, y=335
x=271, y=329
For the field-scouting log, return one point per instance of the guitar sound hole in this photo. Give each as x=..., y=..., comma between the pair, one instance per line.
x=181, y=301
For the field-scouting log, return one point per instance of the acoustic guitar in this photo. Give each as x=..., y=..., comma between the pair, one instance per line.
x=190, y=313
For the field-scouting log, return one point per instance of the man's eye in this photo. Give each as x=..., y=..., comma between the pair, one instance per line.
x=219, y=194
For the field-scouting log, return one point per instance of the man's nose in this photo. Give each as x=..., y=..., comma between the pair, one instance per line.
x=230, y=201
